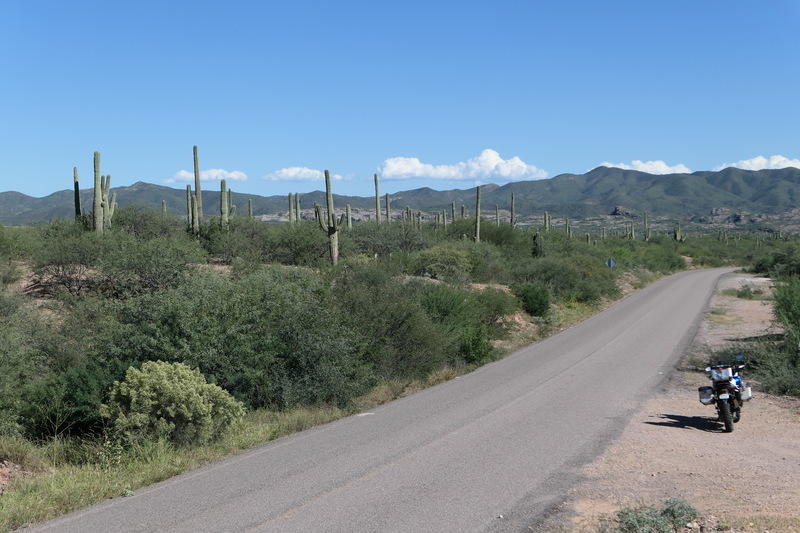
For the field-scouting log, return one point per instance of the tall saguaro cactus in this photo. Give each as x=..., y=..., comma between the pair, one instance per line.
x=198, y=193
x=97, y=214
x=297, y=207
x=291, y=208
x=223, y=204
x=388, y=208
x=349, y=214
x=453, y=211
x=496, y=215
x=478, y=213
x=377, y=200
x=328, y=223
x=513, y=212
x=77, y=193
x=250, y=207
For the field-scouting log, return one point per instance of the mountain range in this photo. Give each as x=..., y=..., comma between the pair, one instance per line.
x=596, y=192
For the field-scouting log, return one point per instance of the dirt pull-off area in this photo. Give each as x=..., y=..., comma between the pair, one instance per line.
x=746, y=481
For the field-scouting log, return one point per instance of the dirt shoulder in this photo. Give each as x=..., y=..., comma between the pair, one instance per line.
x=745, y=481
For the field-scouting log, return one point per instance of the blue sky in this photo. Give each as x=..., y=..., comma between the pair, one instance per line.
x=284, y=89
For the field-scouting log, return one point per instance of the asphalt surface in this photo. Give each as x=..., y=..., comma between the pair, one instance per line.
x=489, y=451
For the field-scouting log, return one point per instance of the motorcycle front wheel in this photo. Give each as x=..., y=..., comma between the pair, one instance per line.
x=725, y=414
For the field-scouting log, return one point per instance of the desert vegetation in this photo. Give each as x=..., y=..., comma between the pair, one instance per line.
x=137, y=344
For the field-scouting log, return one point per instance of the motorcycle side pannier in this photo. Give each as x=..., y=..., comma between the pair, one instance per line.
x=706, y=395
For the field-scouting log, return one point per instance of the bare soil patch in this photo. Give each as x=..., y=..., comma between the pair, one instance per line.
x=745, y=481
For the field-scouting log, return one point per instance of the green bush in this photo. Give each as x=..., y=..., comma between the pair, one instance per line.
x=171, y=401
x=9, y=273
x=679, y=513
x=133, y=266
x=445, y=262
x=643, y=519
x=535, y=297
x=65, y=257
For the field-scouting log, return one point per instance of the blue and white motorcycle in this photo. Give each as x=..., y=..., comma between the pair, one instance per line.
x=727, y=391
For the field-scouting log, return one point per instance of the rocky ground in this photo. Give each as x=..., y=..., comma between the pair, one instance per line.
x=745, y=481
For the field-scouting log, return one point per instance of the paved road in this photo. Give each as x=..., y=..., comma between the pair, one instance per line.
x=489, y=451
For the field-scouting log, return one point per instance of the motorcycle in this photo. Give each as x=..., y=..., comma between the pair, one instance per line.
x=727, y=391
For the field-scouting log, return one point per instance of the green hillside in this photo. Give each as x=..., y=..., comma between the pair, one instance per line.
x=575, y=195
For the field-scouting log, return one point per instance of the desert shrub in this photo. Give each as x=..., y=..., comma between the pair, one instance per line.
x=458, y=311
x=244, y=238
x=171, y=401
x=780, y=260
x=271, y=338
x=384, y=239
x=398, y=338
x=446, y=262
x=487, y=262
x=535, y=297
x=65, y=257
x=580, y=278
x=679, y=513
x=787, y=305
x=297, y=244
x=146, y=223
x=20, y=361
x=493, y=305
x=133, y=266
x=9, y=273
x=66, y=402
x=644, y=519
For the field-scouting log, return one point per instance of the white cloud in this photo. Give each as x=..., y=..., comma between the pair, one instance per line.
x=299, y=174
x=761, y=162
x=488, y=165
x=651, y=167
x=208, y=175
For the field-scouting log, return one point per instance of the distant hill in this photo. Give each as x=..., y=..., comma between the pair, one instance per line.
x=576, y=195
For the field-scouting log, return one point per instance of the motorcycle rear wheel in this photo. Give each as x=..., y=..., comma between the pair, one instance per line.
x=725, y=414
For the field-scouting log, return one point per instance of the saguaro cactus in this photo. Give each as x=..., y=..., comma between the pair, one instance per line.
x=568, y=228
x=496, y=215
x=328, y=223
x=349, y=213
x=291, y=208
x=223, y=204
x=377, y=200
x=478, y=213
x=195, y=216
x=250, y=207
x=463, y=212
x=546, y=221
x=77, y=193
x=97, y=213
x=537, y=248
x=106, y=204
x=513, y=212
x=453, y=211
x=198, y=193
x=164, y=207
x=189, y=207
x=388, y=208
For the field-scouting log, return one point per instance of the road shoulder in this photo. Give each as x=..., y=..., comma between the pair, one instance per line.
x=673, y=446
